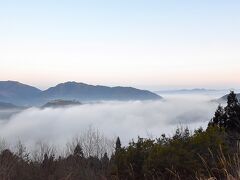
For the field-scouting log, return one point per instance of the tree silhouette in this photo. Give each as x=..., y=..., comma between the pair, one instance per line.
x=232, y=113
x=228, y=117
x=219, y=117
x=118, y=144
x=232, y=99
x=78, y=151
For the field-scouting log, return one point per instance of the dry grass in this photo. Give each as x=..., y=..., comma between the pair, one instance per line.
x=226, y=167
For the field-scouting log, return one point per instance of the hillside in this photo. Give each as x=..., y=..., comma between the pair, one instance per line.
x=85, y=92
x=25, y=95
x=18, y=93
x=60, y=103
x=7, y=110
x=8, y=106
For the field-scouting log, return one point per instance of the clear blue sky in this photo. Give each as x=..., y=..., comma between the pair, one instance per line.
x=152, y=44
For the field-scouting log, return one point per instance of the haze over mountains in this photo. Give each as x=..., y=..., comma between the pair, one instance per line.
x=8, y=109
x=24, y=95
x=217, y=95
x=191, y=91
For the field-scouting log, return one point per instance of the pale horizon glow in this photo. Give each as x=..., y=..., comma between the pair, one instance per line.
x=146, y=44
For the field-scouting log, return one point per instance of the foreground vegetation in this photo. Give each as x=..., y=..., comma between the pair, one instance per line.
x=202, y=154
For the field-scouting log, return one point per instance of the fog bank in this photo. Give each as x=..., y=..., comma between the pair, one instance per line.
x=125, y=119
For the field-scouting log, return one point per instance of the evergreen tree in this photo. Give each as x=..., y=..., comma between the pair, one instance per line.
x=228, y=117
x=219, y=118
x=105, y=161
x=118, y=145
x=232, y=99
x=186, y=133
x=120, y=160
x=78, y=151
x=232, y=113
x=105, y=158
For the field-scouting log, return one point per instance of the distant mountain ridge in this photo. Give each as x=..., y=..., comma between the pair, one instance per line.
x=22, y=94
x=88, y=92
x=189, y=91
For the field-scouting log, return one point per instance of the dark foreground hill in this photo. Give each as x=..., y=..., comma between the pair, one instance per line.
x=25, y=95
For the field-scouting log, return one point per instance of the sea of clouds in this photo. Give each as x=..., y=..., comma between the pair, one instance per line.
x=128, y=120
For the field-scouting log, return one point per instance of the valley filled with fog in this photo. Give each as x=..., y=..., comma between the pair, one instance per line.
x=127, y=120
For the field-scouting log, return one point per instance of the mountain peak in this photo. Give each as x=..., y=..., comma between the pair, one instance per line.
x=17, y=93
x=86, y=92
x=71, y=83
x=22, y=94
x=15, y=83
x=10, y=82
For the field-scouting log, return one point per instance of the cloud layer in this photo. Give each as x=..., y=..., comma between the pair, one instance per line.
x=124, y=119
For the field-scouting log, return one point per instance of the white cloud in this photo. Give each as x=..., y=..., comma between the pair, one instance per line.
x=124, y=119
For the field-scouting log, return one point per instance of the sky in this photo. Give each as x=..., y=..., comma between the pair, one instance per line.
x=152, y=44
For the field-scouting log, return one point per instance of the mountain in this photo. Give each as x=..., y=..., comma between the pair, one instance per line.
x=191, y=91
x=24, y=95
x=85, y=92
x=4, y=106
x=7, y=110
x=60, y=103
x=18, y=93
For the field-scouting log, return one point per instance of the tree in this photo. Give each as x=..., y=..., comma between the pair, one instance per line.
x=78, y=151
x=118, y=145
x=105, y=161
x=232, y=113
x=219, y=117
x=120, y=160
x=48, y=165
x=228, y=117
x=232, y=99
